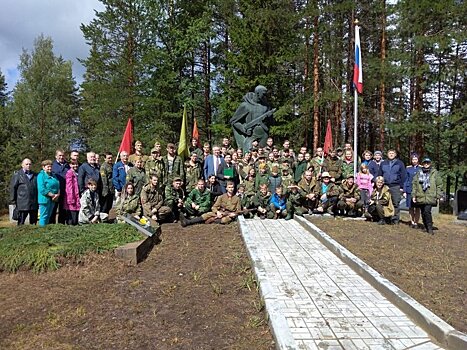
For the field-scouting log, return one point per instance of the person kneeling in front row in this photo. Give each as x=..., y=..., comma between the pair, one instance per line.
x=381, y=208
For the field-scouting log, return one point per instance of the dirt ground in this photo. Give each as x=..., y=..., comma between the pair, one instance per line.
x=196, y=290
x=432, y=269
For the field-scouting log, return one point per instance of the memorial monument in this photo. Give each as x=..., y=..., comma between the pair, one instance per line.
x=252, y=119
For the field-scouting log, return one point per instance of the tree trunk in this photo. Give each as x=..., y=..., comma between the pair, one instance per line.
x=306, y=79
x=418, y=99
x=207, y=87
x=382, y=88
x=315, y=85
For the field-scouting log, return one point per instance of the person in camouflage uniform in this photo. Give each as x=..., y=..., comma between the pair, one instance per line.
x=347, y=164
x=299, y=166
x=261, y=201
x=138, y=153
x=328, y=195
x=308, y=189
x=195, y=148
x=174, y=197
x=226, y=208
x=262, y=177
x=349, y=198
x=287, y=178
x=173, y=165
x=198, y=201
x=130, y=202
x=333, y=165
x=317, y=162
x=153, y=203
x=193, y=172
x=295, y=201
x=137, y=175
x=108, y=189
x=155, y=166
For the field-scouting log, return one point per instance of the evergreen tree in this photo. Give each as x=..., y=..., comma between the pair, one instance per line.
x=44, y=103
x=6, y=167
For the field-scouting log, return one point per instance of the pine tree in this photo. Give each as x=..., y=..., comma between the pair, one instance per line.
x=44, y=103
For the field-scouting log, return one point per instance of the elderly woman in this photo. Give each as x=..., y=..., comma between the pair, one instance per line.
x=381, y=208
x=48, y=189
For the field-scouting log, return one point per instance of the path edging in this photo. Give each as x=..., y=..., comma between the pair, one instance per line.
x=445, y=334
x=277, y=322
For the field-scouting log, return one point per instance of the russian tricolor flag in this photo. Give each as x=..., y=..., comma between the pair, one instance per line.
x=357, y=68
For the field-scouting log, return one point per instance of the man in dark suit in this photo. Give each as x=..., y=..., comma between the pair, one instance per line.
x=23, y=193
x=212, y=162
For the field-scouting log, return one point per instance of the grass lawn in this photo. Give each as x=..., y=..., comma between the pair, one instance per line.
x=45, y=248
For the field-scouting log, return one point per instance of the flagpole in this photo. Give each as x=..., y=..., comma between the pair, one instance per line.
x=355, y=122
x=356, y=81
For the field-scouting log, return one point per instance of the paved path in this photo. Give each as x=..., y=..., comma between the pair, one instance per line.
x=315, y=301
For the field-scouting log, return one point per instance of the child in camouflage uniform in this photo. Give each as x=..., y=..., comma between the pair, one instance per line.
x=261, y=201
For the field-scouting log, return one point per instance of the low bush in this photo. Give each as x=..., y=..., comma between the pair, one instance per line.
x=42, y=248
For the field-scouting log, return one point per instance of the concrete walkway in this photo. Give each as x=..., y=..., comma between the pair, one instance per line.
x=315, y=301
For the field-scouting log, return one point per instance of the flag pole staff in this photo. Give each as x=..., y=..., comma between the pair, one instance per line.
x=355, y=123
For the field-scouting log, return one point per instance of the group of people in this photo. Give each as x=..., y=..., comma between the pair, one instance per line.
x=216, y=185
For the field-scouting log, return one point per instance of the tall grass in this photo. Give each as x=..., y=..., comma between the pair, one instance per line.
x=41, y=248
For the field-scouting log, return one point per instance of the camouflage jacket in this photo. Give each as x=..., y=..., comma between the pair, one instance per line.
x=137, y=177
x=260, y=200
x=306, y=188
x=349, y=192
x=192, y=175
x=129, y=205
x=172, y=196
x=106, y=176
x=151, y=199
x=155, y=167
x=332, y=189
x=178, y=169
x=333, y=167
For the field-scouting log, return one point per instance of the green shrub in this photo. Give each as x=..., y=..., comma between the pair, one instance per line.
x=41, y=248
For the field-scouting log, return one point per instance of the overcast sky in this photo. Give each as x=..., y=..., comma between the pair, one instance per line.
x=21, y=21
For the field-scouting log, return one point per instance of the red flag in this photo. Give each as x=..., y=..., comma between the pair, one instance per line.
x=127, y=138
x=328, y=139
x=195, y=134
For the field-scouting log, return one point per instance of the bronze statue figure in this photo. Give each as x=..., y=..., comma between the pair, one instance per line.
x=252, y=119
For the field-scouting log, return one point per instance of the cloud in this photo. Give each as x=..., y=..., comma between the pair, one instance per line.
x=22, y=21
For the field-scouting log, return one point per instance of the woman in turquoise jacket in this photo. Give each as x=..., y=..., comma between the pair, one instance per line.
x=48, y=189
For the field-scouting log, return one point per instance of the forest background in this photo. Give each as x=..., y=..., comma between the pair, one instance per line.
x=149, y=57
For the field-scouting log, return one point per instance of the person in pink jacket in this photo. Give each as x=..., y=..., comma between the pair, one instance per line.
x=364, y=181
x=71, y=199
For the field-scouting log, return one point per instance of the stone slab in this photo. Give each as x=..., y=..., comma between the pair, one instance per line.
x=135, y=252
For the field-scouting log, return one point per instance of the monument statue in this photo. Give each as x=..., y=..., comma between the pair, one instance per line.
x=252, y=119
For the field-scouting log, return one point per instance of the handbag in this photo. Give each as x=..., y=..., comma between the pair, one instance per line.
x=15, y=215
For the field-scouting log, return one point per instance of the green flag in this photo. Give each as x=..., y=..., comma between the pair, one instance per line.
x=183, y=143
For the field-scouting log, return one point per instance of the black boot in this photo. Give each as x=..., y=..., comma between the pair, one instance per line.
x=187, y=222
